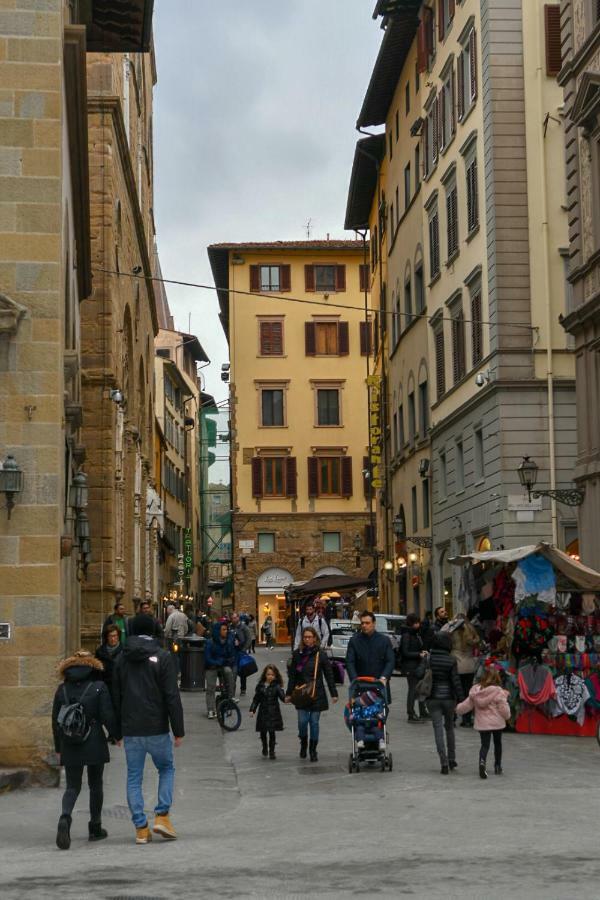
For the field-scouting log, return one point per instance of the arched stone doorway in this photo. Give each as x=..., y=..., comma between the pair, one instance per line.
x=270, y=601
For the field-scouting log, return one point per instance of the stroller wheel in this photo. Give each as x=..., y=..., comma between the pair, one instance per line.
x=383, y=764
x=389, y=762
x=350, y=764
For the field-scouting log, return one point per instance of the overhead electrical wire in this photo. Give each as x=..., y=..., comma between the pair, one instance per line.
x=333, y=305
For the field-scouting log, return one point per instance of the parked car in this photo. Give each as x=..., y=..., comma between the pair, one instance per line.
x=341, y=631
x=393, y=626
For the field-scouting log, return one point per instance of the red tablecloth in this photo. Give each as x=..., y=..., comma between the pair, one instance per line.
x=531, y=721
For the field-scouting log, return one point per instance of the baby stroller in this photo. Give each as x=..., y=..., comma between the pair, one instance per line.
x=372, y=723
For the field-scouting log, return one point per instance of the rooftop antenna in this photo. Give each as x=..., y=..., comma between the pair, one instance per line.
x=308, y=227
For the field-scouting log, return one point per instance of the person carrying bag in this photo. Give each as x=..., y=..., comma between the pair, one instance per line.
x=309, y=669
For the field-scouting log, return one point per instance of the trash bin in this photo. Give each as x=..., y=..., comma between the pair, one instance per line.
x=191, y=657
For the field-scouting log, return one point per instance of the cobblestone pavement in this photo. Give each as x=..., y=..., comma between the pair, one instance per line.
x=251, y=827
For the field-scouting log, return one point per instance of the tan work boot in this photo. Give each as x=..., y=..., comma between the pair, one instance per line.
x=143, y=835
x=162, y=826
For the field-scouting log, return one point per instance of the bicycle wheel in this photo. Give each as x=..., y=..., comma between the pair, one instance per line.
x=229, y=715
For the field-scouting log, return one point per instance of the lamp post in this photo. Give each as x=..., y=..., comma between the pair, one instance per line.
x=528, y=472
x=78, y=492
x=399, y=526
x=11, y=481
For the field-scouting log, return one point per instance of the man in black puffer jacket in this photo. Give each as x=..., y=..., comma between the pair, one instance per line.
x=412, y=652
x=146, y=701
x=446, y=692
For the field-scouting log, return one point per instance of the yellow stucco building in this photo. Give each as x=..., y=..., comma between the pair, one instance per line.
x=294, y=316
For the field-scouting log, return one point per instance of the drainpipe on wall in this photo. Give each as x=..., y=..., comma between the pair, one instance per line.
x=547, y=290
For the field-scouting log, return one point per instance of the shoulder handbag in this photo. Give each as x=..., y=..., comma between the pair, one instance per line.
x=303, y=695
x=425, y=684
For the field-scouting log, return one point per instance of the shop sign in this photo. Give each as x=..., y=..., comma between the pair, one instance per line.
x=188, y=553
x=274, y=578
x=521, y=503
x=246, y=545
x=375, y=431
x=180, y=567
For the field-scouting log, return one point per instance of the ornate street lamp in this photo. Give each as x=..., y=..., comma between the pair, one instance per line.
x=399, y=526
x=528, y=473
x=11, y=481
x=82, y=527
x=78, y=492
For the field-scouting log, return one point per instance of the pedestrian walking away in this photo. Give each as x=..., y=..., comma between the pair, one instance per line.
x=370, y=653
x=446, y=692
x=118, y=618
x=489, y=701
x=144, y=608
x=219, y=654
x=412, y=653
x=465, y=640
x=176, y=628
x=108, y=652
x=243, y=644
x=253, y=633
x=268, y=693
x=309, y=669
x=312, y=619
x=81, y=708
x=147, y=702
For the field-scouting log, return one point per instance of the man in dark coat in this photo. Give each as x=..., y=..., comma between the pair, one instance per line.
x=412, y=652
x=81, y=685
x=370, y=653
x=147, y=701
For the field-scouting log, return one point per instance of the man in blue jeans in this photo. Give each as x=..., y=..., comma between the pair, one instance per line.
x=147, y=701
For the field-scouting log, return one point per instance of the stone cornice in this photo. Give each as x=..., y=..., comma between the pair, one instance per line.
x=112, y=105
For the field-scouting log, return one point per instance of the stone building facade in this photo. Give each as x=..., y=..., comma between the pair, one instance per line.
x=467, y=94
x=580, y=80
x=118, y=326
x=298, y=406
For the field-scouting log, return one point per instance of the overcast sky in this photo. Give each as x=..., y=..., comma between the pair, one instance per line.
x=254, y=133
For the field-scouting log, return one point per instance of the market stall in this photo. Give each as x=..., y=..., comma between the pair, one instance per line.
x=538, y=610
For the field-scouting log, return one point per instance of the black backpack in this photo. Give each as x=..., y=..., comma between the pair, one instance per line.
x=72, y=720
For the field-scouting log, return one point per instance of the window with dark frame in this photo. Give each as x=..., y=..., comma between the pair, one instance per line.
x=476, y=327
x=407, y=186
x=417, y=165
x=425, y=502
x=472, y=196
x=408, y=309
x=419, y=289
x=423, y=408
x=327, y=338
x=332, y=542
x=434, y=243
x=440, y=361
x=458, y=344
x=330, y=476
x=460, y=467
x=390, y=144
x=407, y=98
x=271, y=338
x=415, y=509
x=412, y=418
x=328, y=406
x=269, y=278
x=272, y=407
x=401, y=434
x=397, y=124
x=266, y=542
x=266, y=278
x=452, y=220
x=478, y=453
x=326, y=278
x=443, y=479
x=273, y=476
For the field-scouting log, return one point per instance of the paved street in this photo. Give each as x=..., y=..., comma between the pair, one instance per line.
x=255, y=828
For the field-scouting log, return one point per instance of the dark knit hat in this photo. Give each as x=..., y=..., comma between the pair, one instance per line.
x=142, y=624
x=442, y=641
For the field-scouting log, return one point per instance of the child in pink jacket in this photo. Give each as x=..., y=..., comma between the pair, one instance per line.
x=492, y=712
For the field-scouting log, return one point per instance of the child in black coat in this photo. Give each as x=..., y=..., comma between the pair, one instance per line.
x=269, y=692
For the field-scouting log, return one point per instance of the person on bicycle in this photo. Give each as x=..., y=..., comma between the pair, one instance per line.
x=219, y=655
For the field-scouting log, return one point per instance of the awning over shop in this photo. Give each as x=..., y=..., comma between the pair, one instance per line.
x=326, y=583
x=580, y=575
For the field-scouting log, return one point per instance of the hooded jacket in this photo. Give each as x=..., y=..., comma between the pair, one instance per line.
x=81, y=671
x=491, y=707
x=220, y=652
x=145, y=691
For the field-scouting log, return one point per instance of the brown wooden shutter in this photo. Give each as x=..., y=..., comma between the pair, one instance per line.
x=254, y=278
x=472, y=196
x=422, y=47
x=273, y=338
x=291, y=477
x=285, y=280
x=458, y=346
x=442, y=117
x=452, y=102
x=460, y=77
x=441, y=22
x=313, y=476
x=451, y=9
x=346, y=476
x=436, y=138
x=363, y=271
x=340, y=278
x=440, y=373
x=553, y=39
x=310, y=339
x=366, y=332
x=476, y=330
x=367, y=477
x=257, y=477
x=473, y=62
x=343, y=339
x=309, y=278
